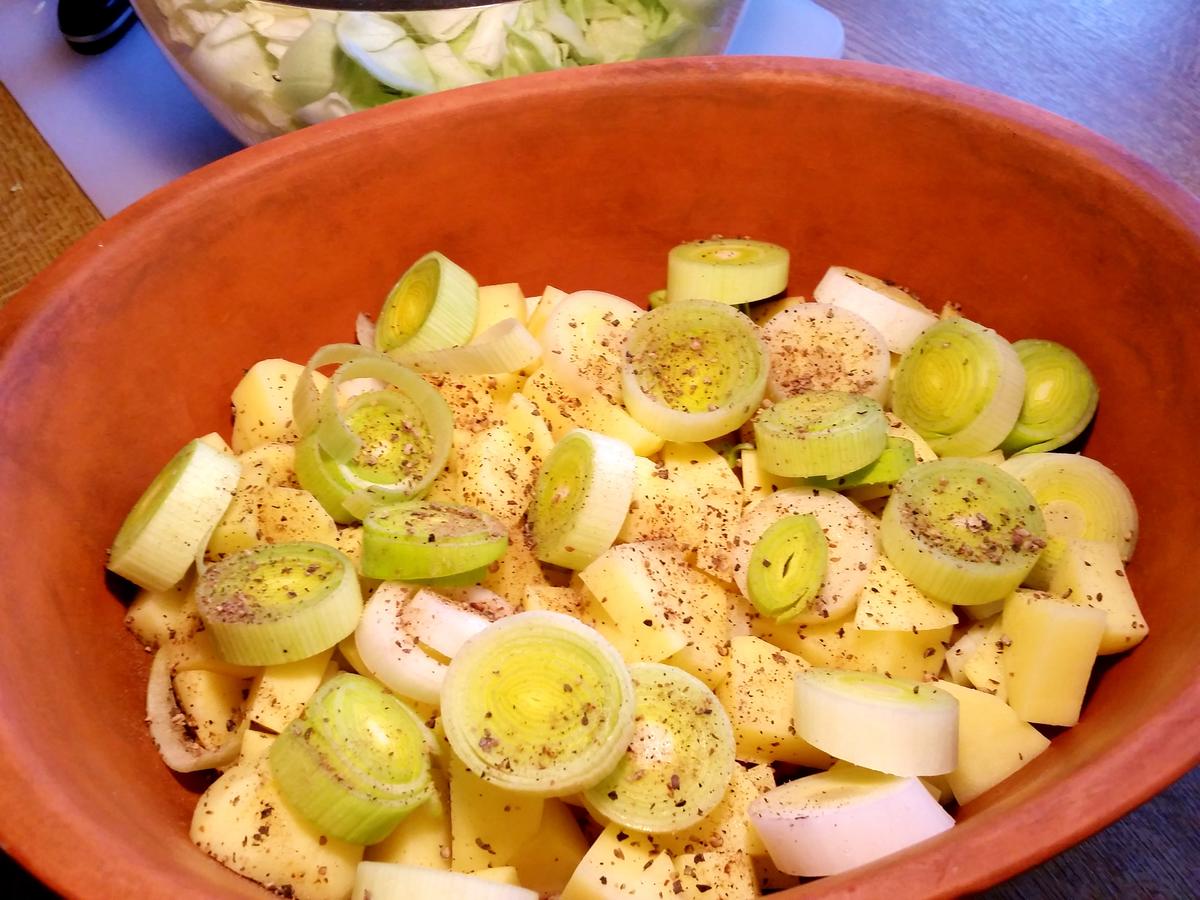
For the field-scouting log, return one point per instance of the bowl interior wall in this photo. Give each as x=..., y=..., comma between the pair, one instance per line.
x=130, y=348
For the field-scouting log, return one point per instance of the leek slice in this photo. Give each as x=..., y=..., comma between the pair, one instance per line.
x=403, y=445
x=316, y=411
x=893, y=725
x=833, y=821
x=694, y=370
x=399, y=621
x=1060, y=398
x=1079, y=498
x=177, y=745
x=964, y=532
x=279, y=602
x=355, y=762
x=681, y=760
x=538, y=703
x=172, y=520
x=726, y=270
x=581, y=498
x=505, y=347
x=898, y=315
x=816, y=347
x=395, y=881
x=432, y=306
x=787, y=567
x=583, y=338
x=420, y=540
x=825, y=433
x=897, y=457
x=853, y=531
x=960, y=386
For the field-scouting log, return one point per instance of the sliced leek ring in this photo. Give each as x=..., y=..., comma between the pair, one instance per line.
x=172, y=520
x=402, y=446
x=787, y=567
x=420, y=540
x=505, y=347
x=823, y=433
x=432, y=306
x=398, y=881
x=179, y=749
x=355, y=762
x=581, y=498
x=278, y=603
x=583, y=340
x=898, y=315
x=897, y=457
x=538, y=703
x=694, y=370
x=317, y=411
x=681, y=759
x=893, y=725
x=1079, y=497
x=834, y=821
x=960, y=386
x=726, y=270
x=817, y=347
x=847, y=527
x=1060, y=398
x=962, y=531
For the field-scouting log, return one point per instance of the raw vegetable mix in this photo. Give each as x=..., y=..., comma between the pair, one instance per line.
x=557, y=596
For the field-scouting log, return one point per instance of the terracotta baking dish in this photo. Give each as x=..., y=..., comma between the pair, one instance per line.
x=131, y=342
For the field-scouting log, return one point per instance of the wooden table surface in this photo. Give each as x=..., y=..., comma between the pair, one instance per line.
x=1129, y=69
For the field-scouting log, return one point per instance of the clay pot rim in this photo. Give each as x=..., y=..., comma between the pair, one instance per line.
x=1113, y=784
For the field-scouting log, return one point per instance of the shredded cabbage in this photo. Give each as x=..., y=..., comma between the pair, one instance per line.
x=282, y=67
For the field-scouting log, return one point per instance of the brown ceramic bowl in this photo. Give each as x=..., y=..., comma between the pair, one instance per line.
x=130, y=344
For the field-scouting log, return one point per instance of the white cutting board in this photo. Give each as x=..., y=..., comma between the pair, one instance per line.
x=123, y=123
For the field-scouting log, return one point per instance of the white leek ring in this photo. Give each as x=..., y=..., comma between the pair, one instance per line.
x=505, y=347
x=694, y=370
x=898, y=315
x=581, y=498
x=397, y=881
x=893, y=725
x=1060, y=398
x=279, y=603
x=167, y=723
x=821, y=433
x=538, y=703
x=172, y=520
x=960, y=386
x=432, y=306
x=726, y=270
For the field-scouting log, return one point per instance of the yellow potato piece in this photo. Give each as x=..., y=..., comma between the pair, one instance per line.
x=890, y=602
x=262, y=404
x=1090, y=573
x=278, y=695
x=620, y=865
x=548, y=859
x=423, y=836
x=488, y=825
x=212, y=703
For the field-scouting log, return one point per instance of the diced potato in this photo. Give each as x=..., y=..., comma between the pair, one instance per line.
x=244, y=823
x=496, y=474
x=255, y=745
x=1050, y=659
x=471, y=399
x=349, y=542
x=890, y=602
x=500, y=875
x=262, y=404
x=539, y=315
x=728, y=874
x=843, y=645
x=727, y=826
x=212, y=703
x=498, y=302
x=623, y=582
x=760, y=699
x=215, y=441
x=962, y=649
x=157, y=616
x=515, y=570
x=280, y=692
x=993, y=742
x=522, y=418
x=488, y=825
x=564, y=600
x=622, y=864
x=547, y=860
x=423, y=836
x=980, y=611
x=984, y=668
x=563, y=410
x=264, y=466
x=288, y=514
x=692, y=497
x=1091, y=573
x=757, y=482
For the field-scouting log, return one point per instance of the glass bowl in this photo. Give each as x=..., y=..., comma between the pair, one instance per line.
x=263, y=69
